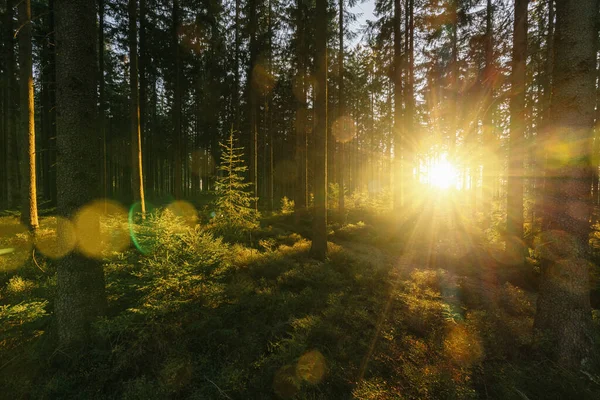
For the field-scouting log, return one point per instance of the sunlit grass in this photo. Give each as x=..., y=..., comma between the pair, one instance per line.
x=15, y=243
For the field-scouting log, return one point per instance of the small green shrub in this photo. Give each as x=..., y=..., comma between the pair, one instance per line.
x=19, y=288
x=234, y=216
x=287, y=205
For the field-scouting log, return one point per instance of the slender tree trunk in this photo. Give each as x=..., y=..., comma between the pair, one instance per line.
x=596, y=147
x=409, y=135
x=102, y=100
x=547, y=100
x=52, y=106
x=29, y=216
x=80, y=281
x=453, y=82
x=9, y=107
x=198, y=160
x=563, y=307
x=157, y=159
x=145, y=134
x=253, y=101
x=301, y=198
x=268, y=111
x=3, y=115
x=341, y=111
x=137, y=176
x=319, y=241
x=177, y=131
x=488, y=127
x=236, y=80
x=516, y=146
x=398, y=136
x=45, y=142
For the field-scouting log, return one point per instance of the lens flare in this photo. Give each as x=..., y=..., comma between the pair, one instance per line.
x=56, y=237
x=15, y=244
x=311, y=367
x=344, y=129
x=7, y=251
x=442, y=175
x=463, y=346
x=186, y=213
x=101, y=229
x=141, y=231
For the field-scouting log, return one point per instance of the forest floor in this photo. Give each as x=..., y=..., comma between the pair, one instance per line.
x=419, y=307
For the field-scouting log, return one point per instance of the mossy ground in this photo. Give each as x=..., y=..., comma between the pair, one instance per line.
x=419, y=307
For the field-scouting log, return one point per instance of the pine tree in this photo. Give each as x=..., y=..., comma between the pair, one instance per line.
x=29, y=214
x=234, y=205
x=81, y=295
x=318, y=249
x=563, y=305
x=514, y=185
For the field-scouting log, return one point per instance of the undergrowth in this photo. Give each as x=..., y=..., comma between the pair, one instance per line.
x=195, y=317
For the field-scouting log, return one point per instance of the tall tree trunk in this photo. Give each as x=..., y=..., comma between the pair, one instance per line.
x=45, y=140
x=102, y=100
x=137, y=176
x=253, y=100
x=268, y=109
x=398, y=136
x=143, y=63
x=51, y=74
x=52, y=98
x=516, y=145
x=80, y=281
x=563, y=307
x=29, y=215
x=409, y=135
x=301, y=198
x=236, y=79
x=487, y=122
x=596, y=148
x=341, y=110
x=177, y=100
x=546, y=102
x=9, y=107
x=319, y=241
x=454, y=71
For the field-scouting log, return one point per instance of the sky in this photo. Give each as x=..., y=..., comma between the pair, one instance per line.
x=365, y=8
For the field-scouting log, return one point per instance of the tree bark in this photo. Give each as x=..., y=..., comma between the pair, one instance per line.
x=301, y=198
x=268, y=111
x=137, y=176
x=236, y=74
x=341, y=111
x=319, y=241
x=101, y=100
x=409, y=136
x=563, y=307
x=29, y=215
x=546, y=102
x=177, y=100
x=398, y=136
x=80, y=280
x=487, y=122
x=145, y=134
x=9, y=107
x=253, y=101
x=516, y=145
x=454, y=71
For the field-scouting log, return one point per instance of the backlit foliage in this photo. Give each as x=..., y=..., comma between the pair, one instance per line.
x=234, y=215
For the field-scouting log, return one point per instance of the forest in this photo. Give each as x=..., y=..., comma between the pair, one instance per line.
x=299, y=199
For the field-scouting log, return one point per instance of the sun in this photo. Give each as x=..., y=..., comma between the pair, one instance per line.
x=442, y=175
